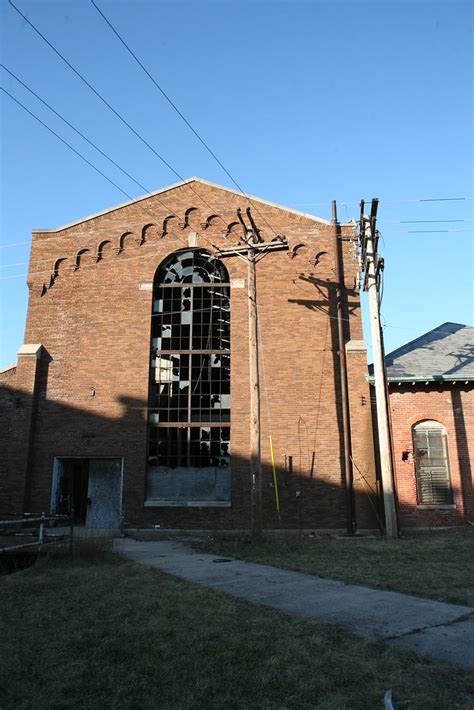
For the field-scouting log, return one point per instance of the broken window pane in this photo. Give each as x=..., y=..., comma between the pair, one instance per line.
x=190, y=366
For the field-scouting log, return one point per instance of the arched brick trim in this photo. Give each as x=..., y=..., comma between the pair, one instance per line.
x=100, y=249
x=121, y=241
x=417, y=418
x=209, y=221
x=146, y=229
x=168, y=221
x=78, y=258
x=187, y=215
x=230, y=228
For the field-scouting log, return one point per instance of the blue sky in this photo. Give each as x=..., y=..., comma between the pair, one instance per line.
x=304, y=102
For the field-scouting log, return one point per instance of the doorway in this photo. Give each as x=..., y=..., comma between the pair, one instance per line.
x=88, y=489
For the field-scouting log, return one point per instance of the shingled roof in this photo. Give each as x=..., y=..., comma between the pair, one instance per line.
x=444, y=353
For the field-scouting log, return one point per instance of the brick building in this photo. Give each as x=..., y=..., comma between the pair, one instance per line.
x=431, y=391
x=130, y=397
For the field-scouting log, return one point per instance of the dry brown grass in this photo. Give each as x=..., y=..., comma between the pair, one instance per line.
x=106, y=634
x=438, y=565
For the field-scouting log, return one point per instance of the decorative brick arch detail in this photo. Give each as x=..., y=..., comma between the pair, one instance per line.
x=209, y=221
x=54, y=274
x=146, y=230
x=121, y=241
x=171, y=219
x=78, y=257
x=230, y=228
x=100, y=249
x=190, y=211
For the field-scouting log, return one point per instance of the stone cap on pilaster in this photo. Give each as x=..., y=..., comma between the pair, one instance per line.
x=30, y=350
x=356, y=346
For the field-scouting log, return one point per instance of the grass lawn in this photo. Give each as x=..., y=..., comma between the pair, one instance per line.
x=108, y=634
x=438, y=565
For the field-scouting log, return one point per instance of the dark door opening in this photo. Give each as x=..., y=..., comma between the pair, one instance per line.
x=72, y=489
x=90, y=490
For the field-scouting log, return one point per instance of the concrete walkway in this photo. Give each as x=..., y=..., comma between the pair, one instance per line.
x=443, y=631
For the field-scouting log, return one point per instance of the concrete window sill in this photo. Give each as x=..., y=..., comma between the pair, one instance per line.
x=437, y=507
x=187, y=504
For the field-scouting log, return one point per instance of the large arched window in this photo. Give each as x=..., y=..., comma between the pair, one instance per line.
x=189, y=402
x=433, y=482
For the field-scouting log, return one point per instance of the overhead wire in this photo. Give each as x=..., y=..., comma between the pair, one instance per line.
x=179, y=112
x=151, y=147
x=73, y=149
x=421, y=221
x=74, y=128
x=391, y=202
x=311, y=233
x=17, y=244
x=65, y=143
x=82, y=135
x=51, y=236
x=88, y=162
x=109, y=106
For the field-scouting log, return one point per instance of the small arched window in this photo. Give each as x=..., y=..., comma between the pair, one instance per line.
x=189, y=402
x=433, y=481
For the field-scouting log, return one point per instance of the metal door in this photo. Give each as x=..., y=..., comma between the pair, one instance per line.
x=104, y=493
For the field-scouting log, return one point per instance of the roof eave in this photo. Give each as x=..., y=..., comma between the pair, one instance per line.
x=318, y=220
x=430, y=378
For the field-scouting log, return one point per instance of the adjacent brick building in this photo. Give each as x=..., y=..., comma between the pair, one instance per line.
x=431, y=390
x=130, y=397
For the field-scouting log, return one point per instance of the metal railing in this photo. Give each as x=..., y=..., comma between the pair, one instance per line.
x=38, y=531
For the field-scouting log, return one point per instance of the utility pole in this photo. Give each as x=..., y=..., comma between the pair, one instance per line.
x=372, y=265
x=346, y=432
x=255, y=461
x=251, y=249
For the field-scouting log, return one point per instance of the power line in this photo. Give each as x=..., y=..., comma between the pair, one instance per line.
x=164, y=94
x=3, y=278
x=73, y=150
x=65, y=143
x=49, y=271
x=84, y=159
x=421, y=221
x=390, y=202
x=18, y=263
x=6, y=246
x=430, y=231
x=178, y=111
x=312, y=233
x=148, y=192
x=111, y=108
x=17, y=244
x=82, y=266
x=299, y=234
x=45, y=103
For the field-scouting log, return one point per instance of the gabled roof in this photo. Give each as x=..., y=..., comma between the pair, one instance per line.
x=246, y=196
x=444, y=353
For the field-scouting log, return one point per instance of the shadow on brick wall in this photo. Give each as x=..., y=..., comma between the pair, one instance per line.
x=78, y=429
x=62, y=430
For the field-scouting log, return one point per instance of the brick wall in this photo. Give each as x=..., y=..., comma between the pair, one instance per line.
x=92, y=315
x=18, y=416
x=452, y=405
